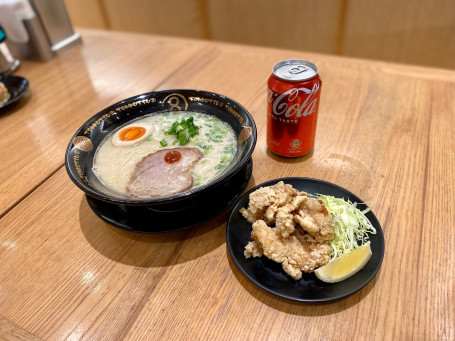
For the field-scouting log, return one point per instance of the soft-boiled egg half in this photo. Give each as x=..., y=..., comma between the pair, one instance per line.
x=133, y=134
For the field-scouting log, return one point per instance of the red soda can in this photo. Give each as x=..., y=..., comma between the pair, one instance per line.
x=294, y=89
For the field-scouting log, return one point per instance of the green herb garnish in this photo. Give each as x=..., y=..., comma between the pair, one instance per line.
x=183, y=130
x=207, y=148
x=163, y=142
x=217, y=133
x=229, y=149
x=223, y=162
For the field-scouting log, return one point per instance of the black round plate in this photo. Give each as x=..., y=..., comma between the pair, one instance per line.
x=270, y=276
x=146, y=219
x=17, y=87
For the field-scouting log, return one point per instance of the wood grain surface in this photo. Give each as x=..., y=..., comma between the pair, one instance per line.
x=179, y=18
x=69, y=90
x=412, y=32
x=385, y=132
x=302, y=25
x=11, y=332
x=88, y=13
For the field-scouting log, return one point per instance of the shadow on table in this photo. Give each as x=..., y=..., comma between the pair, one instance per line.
x=16, y=106
x=153, y=250
x=300, y=308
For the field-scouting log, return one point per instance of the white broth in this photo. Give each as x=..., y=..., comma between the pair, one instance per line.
x=114, y=163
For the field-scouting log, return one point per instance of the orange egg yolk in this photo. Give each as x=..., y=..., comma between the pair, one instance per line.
x=131, y=133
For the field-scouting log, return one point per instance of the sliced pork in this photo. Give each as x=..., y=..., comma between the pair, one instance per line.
x=164, y=172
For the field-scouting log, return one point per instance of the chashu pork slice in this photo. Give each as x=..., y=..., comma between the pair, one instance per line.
x=164, y=172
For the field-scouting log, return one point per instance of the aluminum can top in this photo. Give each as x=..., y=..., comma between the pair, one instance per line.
x=295, y=70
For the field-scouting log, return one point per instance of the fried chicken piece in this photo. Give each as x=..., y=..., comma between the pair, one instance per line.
x=3, y=92
x=285, y=215
x=297, y=253
x=253, y=249
x=314, y=218
x=264, y=202
x=303, y=228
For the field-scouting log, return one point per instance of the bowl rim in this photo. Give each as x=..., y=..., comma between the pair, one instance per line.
x=93, y=192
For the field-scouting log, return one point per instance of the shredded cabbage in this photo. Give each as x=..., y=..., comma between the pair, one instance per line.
x=351, y=225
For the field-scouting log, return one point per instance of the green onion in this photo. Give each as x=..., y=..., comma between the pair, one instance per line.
x=351, y=225
x=217, y=133
x=207, y=148
x=183, y=137
x=229, y=149
x=163, y=142
x=183, y=130
x=223, y=162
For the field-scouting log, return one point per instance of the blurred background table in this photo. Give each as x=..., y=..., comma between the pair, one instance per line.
x=385, y=132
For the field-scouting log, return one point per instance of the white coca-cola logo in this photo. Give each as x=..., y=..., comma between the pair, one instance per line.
x=281, y=105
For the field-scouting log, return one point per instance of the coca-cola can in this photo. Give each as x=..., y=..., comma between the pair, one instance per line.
x=294, y=89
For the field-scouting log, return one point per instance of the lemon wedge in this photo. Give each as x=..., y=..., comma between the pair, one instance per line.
x=344, y=266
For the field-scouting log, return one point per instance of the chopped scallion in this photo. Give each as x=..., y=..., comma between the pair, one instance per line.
x=351, y=225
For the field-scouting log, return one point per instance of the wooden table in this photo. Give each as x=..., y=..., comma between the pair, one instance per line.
x=385, y=132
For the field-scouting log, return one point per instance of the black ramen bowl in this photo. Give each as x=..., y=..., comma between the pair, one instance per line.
x=85, y=142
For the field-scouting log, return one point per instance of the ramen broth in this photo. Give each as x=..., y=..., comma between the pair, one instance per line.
x=115, y=163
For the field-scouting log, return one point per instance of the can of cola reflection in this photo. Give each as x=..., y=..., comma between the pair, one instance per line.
x=294, y=89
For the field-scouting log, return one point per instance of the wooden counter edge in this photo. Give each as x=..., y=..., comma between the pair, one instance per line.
x=11, y=332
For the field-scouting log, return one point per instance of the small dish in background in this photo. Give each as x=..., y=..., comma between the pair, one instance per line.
x=17, y=87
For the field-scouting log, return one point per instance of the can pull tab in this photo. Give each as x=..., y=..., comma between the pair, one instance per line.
x=298, y=69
